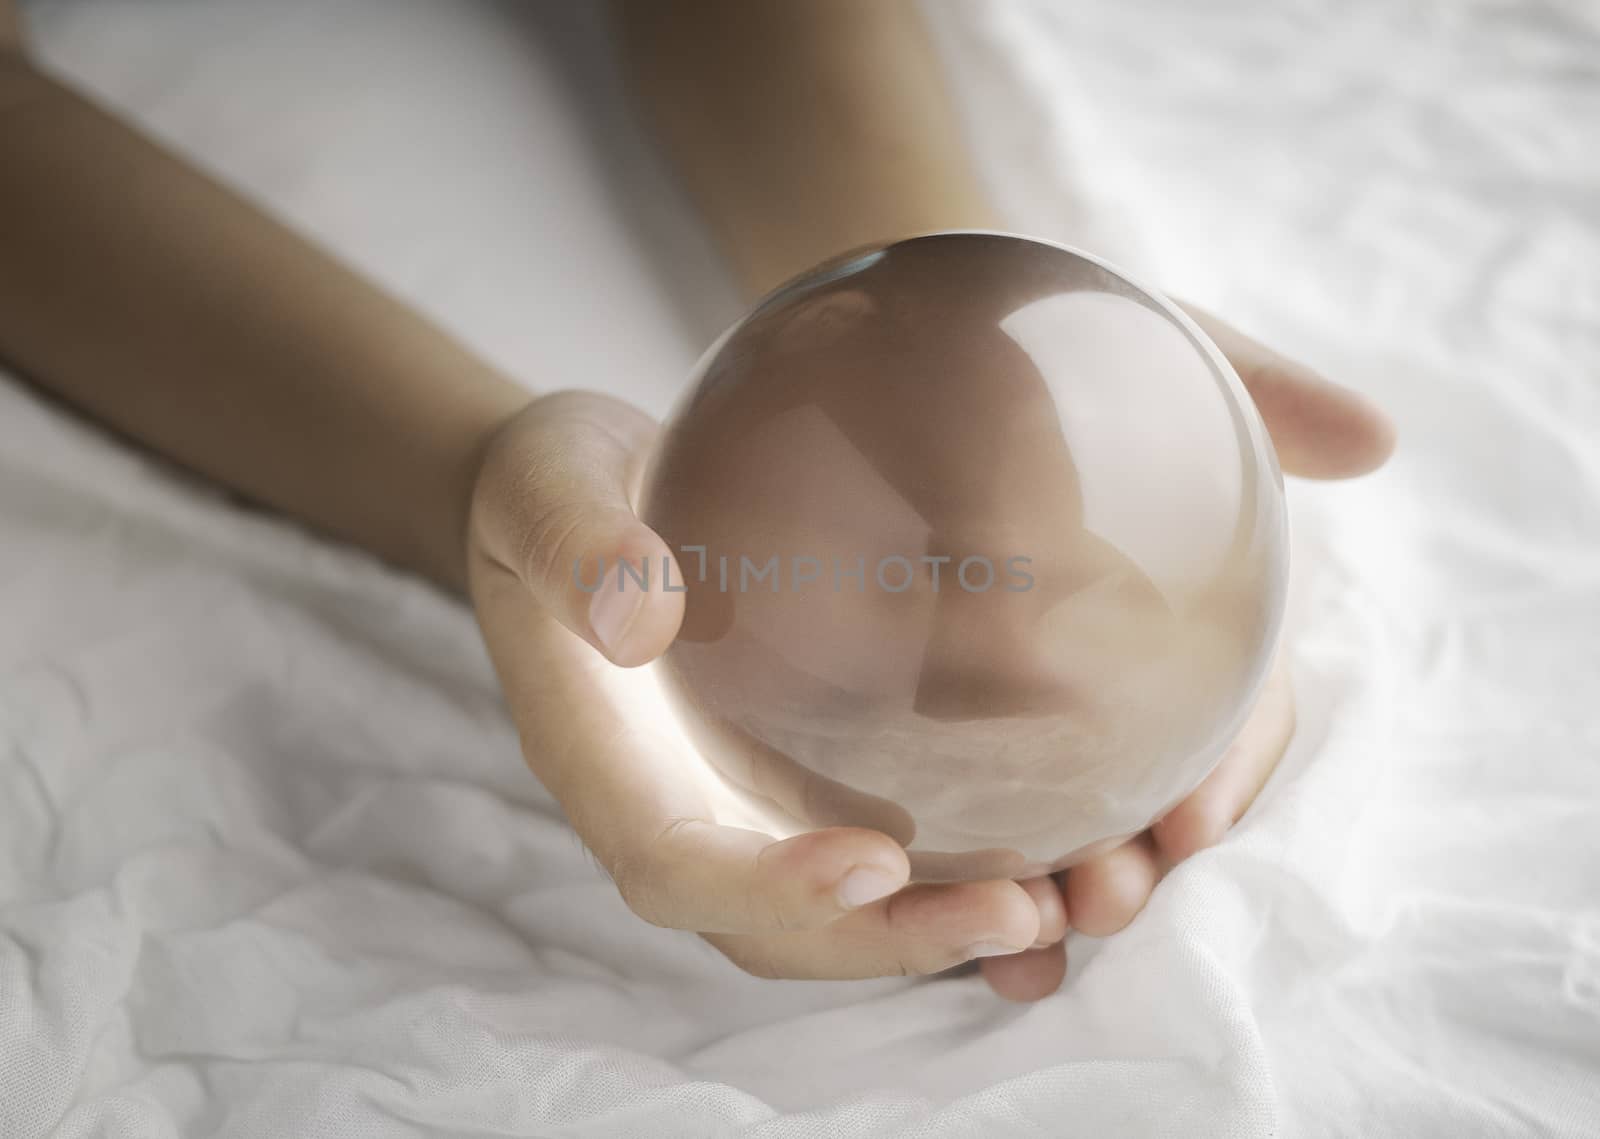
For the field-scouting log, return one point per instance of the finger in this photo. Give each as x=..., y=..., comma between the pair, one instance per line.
x=634, y=796
x=1320, y=430
x=1030, y=975
x=634, y=800
x=1046, y=895
x=552, y=509
x=922, y=929
x=1107, y=892
x=699, y=876
x=627, y=788
x=1206, y=814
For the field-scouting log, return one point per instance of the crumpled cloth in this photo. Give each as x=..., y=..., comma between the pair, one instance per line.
x=270, y=864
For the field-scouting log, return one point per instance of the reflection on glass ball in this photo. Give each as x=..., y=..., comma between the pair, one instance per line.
x=984, y=547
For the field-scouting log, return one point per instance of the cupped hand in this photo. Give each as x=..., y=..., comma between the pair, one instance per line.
x=552, y=493
x=552, y=515
x=1322, y=431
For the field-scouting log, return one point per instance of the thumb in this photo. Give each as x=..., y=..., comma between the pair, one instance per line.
x=551, y=510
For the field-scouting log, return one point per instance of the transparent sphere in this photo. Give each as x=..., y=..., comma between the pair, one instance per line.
x=983, y=547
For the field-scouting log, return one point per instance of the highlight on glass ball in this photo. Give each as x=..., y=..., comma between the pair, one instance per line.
x=983, y=547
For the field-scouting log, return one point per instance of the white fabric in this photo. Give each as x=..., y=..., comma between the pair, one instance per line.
x=270, y=864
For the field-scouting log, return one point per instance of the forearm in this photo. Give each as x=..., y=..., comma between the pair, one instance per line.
x=168, y=308
x=803, y=127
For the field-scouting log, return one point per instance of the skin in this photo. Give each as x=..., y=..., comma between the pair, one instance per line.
x=170, y=310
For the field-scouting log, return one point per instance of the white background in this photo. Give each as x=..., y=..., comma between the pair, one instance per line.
x=269, y=861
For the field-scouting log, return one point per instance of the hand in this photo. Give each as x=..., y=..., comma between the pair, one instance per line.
x=1322, y=431
x=552, y=490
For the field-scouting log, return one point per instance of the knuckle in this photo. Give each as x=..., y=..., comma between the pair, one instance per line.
x=632, y=875
x=642, y=875
x=547, y=542
x=766, y=906
x=749, y=956
x=542, y=489
x=766, y=912
x=761, y=966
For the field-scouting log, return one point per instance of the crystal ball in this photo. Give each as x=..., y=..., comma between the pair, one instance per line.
x=983, y=546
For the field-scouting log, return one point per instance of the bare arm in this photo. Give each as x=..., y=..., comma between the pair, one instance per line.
x=168, y=308
x=803, y=129
x=172, y=310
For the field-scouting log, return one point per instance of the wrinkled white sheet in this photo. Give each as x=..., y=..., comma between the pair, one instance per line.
x=270, y=864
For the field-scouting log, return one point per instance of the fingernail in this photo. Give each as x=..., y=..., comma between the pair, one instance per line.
x=865, y=885
x=614, y=607
x=990, y=949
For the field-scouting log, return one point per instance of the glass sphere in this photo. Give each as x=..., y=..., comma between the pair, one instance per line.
x=983, y=547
